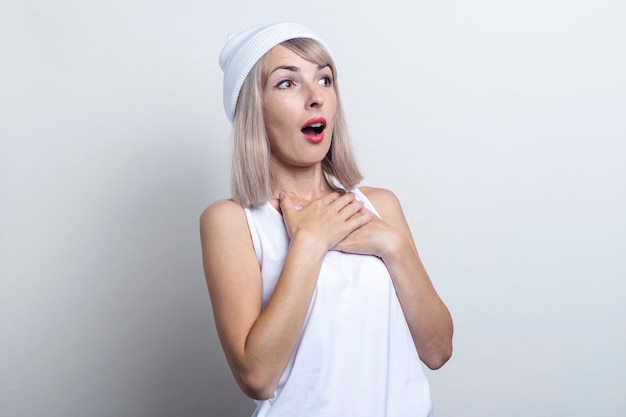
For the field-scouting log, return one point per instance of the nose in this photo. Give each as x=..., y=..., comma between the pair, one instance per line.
x=315, y=97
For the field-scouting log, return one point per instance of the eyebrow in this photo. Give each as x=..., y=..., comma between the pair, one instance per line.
x=286, y=67
x=295, y=69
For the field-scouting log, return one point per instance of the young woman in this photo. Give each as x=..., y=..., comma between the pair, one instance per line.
x=321, y=302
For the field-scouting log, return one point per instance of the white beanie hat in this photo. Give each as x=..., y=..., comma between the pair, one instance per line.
x=244, y=49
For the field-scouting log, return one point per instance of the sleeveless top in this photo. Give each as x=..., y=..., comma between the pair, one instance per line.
x=355, y=355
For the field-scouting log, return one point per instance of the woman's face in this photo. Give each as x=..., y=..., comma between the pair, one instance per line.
x=299, y=107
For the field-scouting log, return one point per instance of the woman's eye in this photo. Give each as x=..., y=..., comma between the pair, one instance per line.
x=326, y=81
x=284, y=84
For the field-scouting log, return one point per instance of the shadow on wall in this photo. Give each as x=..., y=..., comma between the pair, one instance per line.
x=185, y=369
x=108, y=313
x=154, y=351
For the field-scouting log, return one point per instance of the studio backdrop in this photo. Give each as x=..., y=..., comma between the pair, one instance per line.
x=499, y=125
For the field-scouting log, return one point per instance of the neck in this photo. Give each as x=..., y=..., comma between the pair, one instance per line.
x=302, y=185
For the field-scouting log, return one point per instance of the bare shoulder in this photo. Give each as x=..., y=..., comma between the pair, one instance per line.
x=385, y=201
x=388, y=206
x=227, y=251
x=224, y=228
x=221, y=209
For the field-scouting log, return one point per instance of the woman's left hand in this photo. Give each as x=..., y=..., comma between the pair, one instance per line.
x=376, y=238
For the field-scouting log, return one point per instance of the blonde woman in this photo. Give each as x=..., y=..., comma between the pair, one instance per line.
x=320, y=300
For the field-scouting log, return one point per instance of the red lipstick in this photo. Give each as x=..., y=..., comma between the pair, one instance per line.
x=313, y=130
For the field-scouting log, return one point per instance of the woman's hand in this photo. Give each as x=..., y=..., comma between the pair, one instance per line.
x=377, y=238
x=328, y=220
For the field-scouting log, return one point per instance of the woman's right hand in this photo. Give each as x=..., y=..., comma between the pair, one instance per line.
x=328, y=219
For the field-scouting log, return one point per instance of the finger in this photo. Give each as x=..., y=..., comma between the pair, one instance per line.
x=329, y=198
x=351, y=208
x=342, y=201
x=360, y=218
x=285, y=203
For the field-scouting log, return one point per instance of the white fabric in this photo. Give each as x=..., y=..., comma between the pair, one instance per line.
x=355, y=356
x=244, y=49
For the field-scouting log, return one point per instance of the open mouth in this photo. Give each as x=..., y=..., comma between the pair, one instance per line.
x=314, y=127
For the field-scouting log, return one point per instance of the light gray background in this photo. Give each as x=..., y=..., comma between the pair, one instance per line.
x=500, y=125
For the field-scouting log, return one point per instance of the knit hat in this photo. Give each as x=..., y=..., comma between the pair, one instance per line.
x=244, y=49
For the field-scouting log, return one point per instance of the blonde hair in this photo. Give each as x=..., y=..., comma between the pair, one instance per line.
x=250, y=168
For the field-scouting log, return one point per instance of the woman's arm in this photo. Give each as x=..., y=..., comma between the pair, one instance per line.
x=390, y=239
x=258, y=343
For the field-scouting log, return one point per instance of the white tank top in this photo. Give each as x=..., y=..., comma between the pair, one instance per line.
x=355, y=356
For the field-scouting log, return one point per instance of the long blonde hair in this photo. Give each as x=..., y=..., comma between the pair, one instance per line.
x=250, y=168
